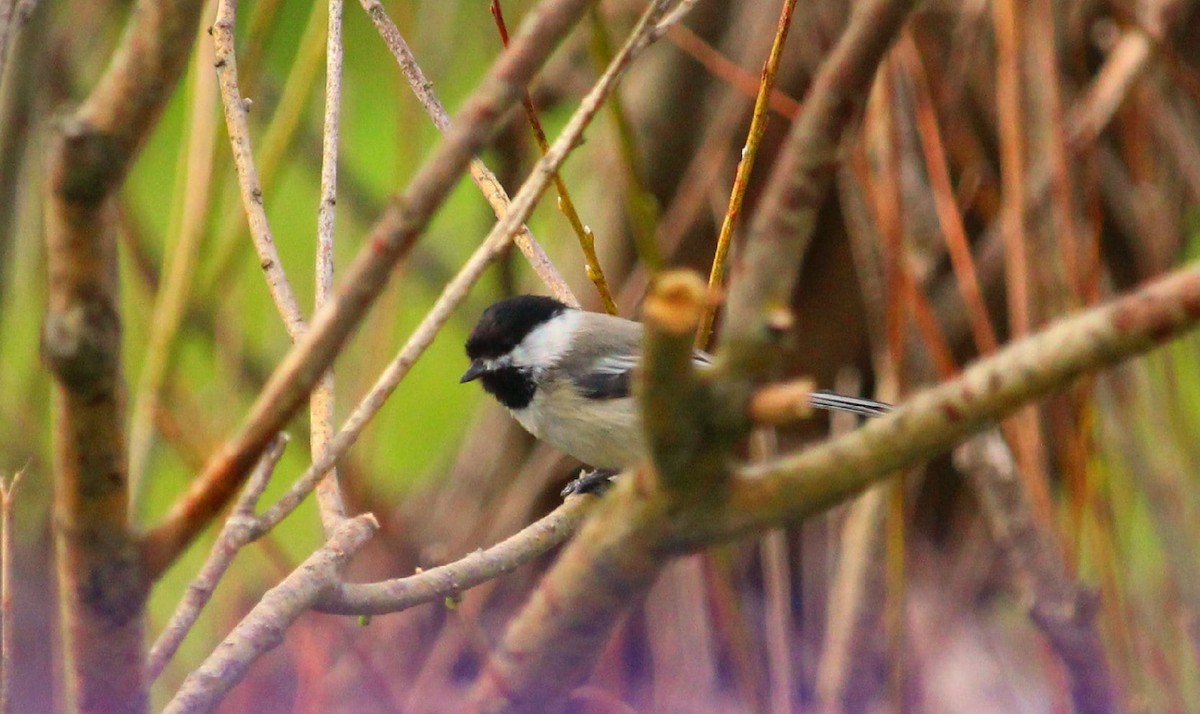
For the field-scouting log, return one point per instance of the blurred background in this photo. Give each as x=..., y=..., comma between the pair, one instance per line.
x=1084, y=117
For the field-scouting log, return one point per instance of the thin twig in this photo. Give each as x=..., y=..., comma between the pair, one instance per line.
x=641, y=204
x=263, y=628
x=1023, y=427
x=390, y=240
x=587, y=240
x=240, y=529
x=949, y=217
x=450, y=580
x=728, y=71
x=278, y=136
x=322, y=402
x=758, y=127
x=483, y=177
x=236, y=109
x=7, y=492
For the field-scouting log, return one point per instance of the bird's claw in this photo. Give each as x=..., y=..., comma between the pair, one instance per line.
x=590, y=481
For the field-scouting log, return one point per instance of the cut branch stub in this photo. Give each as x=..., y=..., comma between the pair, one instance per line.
x=687, y=432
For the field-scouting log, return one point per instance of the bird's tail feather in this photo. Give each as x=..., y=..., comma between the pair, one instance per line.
x=835, y=402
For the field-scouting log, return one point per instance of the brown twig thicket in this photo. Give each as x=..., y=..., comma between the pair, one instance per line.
x=979, y=211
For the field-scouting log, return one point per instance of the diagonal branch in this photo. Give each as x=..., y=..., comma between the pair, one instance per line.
x=263, y=628
x=483, y=177
x=390, y=239
x=448, y=580
x=797, y=485
x=782, y=228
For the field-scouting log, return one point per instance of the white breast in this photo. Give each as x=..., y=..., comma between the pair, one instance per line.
x=604, y=434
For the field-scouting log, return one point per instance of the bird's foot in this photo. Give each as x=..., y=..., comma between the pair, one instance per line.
x=590, y=481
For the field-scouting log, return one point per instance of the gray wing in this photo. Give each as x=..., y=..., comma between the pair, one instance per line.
x=607, y=371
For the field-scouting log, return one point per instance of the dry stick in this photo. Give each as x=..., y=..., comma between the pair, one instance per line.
x=101, y=581
x=783, y=224
x=236, y=110
x=1064, y=612
x=321, y=404
x=7, y=492
x=855, y=598
x=1087, y=118
x=483, y=177
x=587, y=239
x=1007, y=19
x=454, y=578
x=390, y=240
x=641, y=207
x=240, y=529
x=698, y=182
x=263, y=628
x=758, y=126
x=780, y=624
x=277, y=137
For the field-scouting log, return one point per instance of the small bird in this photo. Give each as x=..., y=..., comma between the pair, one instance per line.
x=567, y=375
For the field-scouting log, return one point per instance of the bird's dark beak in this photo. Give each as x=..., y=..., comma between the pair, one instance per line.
x=473, y=372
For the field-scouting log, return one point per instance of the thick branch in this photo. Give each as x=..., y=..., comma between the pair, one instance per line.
x=552, y=643
x=798, y=485
x=551, y=646
x=101, y=578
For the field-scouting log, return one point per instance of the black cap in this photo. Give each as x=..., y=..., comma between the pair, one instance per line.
x=502, y=326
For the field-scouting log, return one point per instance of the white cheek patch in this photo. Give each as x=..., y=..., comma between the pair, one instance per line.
x=499, y=363
x=547, y=344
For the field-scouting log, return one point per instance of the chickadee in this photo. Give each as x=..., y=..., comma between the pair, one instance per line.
x=566, y=375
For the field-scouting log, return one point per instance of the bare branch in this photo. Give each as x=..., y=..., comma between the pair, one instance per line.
x=321, y=405
x=102, y=581
x=797, y=485
x=483, y=177
x=781, y=230
x=453, y=578
x=236, y=109
x=263, y=628
x=240, y=529
x=758, y=127
x=1065, y=613
x=390, y=239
